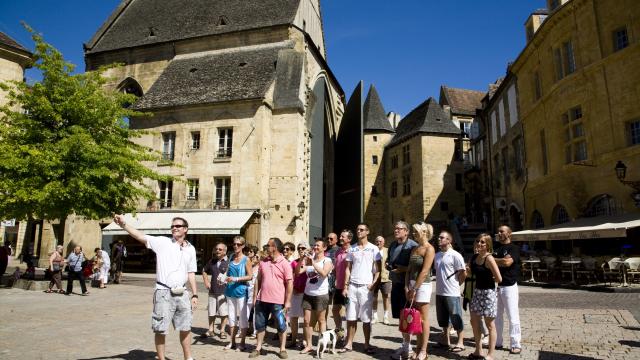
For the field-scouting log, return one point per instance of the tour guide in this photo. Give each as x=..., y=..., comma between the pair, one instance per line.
x=176, y=263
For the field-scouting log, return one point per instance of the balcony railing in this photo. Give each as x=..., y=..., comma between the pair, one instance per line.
x=221, y=204
x=223, y=153
x=167, y=156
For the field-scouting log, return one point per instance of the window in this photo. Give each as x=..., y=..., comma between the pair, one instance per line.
x=223, y=192
x=225, y=142
x=553, y=4
x=602, y=205
x=537, y=222
x=406, y=184
x=575, y=142
x=560, y=215
x=168, y=145
x=195, y=140
x=374, y=159
x=543, y=147
x=166, y=193
x=537, y=86
x=518, y=156
x=459, y=186
x=394, y=189
x=466, y=129
x=394, y=161
x=505, y=164
x=634, y=132
x=564, y=60
x=620, y=39
x=375, y=138
x=192, y=189
x=496, y=170
x=406, y=155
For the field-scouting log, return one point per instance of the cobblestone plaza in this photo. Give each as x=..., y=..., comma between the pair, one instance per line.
x=115, y=324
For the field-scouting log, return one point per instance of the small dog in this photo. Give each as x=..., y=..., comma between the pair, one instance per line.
x=328, y=337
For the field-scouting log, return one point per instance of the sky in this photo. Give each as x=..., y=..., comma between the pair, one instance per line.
x=407, y=49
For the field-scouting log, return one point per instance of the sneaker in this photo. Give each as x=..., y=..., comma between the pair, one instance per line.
x=385, y=320
x=283, y=354
x=485, y=340
x=375, y=318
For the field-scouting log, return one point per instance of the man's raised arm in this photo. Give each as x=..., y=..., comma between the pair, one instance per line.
x=135, y=233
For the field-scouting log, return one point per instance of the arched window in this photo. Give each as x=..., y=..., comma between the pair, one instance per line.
x=537, y=222
x=603, y=204
x=130, y=86
x=560, y=215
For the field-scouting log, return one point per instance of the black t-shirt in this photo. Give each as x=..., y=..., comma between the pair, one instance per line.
x=510, y=273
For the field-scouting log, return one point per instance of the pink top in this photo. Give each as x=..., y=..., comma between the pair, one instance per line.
x=299, y=280
x=341, y=267
x=274, y=277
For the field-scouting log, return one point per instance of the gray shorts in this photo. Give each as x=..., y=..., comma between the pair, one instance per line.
x=171, y=309
x=218, y=305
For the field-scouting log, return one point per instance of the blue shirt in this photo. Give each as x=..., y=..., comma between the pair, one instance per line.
x=237, y=289
x=399, y=255
x=75, y=261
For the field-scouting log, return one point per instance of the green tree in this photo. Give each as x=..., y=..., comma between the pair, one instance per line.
x=66, y=147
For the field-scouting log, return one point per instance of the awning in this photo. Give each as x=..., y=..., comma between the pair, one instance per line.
x=215, y=222
x=586, y=228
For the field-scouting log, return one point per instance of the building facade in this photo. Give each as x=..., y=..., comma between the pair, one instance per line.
x=577, y=89
x=245, y=109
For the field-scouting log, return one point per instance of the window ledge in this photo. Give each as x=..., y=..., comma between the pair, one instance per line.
x=222, y=159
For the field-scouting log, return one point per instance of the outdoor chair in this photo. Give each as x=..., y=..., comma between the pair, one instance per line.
x=565, y=269
x=588, y=269
x=633, y=274
x=611, y=270
x=547, y=267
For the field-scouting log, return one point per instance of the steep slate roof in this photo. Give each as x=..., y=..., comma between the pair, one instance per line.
x=132, y=22
x=462, y=101
x=213, y=77
x=373, y=113
x=7, y=41
x=429, y=117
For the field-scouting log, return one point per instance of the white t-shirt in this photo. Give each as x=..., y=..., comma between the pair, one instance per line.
x=448, y=262
x=320, y=287
x=173, y=262
x=362, y=263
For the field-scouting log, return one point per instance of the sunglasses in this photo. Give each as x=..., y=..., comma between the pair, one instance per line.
x=238, y=244
x=219, y=249
x=302, y=248
x=287, y=249
x=177, y=226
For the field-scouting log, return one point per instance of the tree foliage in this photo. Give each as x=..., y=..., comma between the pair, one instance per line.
x=65, y=146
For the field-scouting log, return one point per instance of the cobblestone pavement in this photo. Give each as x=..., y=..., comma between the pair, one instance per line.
x=115, y=324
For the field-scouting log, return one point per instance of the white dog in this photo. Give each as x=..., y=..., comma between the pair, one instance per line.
x=327, y=337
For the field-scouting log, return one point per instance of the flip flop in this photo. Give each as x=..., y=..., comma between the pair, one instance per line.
x=515, y=351
x=456, y=349
x=344, y=350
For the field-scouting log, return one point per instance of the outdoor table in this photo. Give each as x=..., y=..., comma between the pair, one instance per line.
x=531, y=262
x=572, y=262
x=623, y=268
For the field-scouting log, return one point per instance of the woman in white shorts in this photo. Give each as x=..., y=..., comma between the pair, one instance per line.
x=418, y=282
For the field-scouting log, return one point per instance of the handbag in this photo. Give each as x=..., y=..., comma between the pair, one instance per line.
x=410, y=320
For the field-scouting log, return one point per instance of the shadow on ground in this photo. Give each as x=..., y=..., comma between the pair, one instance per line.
x=131, y=355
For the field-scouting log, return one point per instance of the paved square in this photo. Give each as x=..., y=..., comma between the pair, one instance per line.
x=115, y=324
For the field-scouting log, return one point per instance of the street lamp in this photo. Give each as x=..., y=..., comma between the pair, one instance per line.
x=621, y=174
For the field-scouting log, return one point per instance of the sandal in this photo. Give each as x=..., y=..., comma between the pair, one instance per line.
x=515, y=351
x=48, y=291
x=422, y=355
x=61, y=291
x=344, y=350
x=456, y=349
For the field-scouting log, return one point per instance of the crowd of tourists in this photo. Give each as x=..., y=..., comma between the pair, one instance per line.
x=252, y=289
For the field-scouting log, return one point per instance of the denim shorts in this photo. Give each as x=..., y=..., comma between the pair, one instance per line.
x=448, y=309
x=168, y=309
x=261, y=315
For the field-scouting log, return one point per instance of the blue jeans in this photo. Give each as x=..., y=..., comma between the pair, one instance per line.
x=448, y=309
x=261, y=314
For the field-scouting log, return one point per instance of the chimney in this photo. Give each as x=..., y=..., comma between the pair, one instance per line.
x=534, y=22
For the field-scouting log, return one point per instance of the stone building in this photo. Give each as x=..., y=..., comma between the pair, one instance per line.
x=245, y=109
x=462, y=105
x=424, y=168
x=576, y=84
x=505, y=153
x=377, y=133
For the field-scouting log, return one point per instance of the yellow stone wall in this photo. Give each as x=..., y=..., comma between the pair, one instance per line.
x=374, y=175
x=606, y=85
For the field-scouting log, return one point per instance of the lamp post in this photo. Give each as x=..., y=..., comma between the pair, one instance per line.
x=621, y=174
